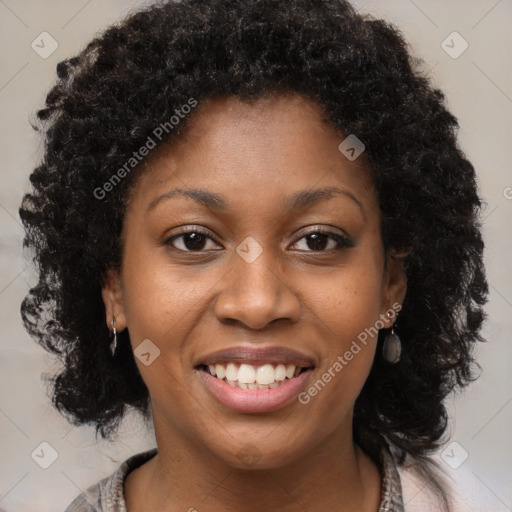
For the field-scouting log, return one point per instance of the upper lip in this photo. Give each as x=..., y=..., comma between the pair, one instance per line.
x=257, y=355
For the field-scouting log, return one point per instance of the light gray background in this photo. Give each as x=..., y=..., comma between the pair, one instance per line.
x=478, y=87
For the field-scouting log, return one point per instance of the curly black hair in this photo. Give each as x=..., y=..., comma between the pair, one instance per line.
x=130, y=79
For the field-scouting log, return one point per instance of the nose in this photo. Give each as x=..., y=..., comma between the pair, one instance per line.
x=256, y=294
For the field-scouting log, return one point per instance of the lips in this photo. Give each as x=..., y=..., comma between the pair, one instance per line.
x=257, y=356
x=255, y=379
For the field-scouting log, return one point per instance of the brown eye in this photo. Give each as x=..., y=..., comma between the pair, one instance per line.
x=317, y=241
x=323, y=241
x=189, y=241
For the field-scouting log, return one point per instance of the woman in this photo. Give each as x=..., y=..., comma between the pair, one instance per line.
x=254, y=225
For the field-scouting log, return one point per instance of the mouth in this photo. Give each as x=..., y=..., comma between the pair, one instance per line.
x=254, y=376
x=255, y=379
x=256, y=386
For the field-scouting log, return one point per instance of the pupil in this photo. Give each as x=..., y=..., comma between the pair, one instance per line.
x=194, y=241
x=318, y=240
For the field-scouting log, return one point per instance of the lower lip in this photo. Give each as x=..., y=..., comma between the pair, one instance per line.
x=255, y=400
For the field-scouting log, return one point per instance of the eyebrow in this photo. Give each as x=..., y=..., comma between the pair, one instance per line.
x=298, y=200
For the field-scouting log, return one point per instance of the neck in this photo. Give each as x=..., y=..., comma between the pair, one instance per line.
x=335, y=475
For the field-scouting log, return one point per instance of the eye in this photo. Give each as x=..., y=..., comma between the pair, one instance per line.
x=193, y=240
x=324, y=241
x=196, y=240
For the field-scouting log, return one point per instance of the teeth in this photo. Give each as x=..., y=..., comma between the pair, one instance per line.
x=290, y=370
x=231, y=372
x=219, y=371
x=265, y=374
x=247, y=376
x=281, y=372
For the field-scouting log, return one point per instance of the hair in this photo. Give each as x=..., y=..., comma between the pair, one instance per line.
x=130, y=79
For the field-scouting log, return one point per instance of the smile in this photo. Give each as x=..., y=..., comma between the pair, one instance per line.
x=254, y=377
x=253, y=397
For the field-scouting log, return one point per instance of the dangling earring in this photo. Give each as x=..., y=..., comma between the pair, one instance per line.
x=392, y=347
x=113, y=344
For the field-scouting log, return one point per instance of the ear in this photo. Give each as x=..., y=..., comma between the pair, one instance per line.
x=112, y=295
x=394, y=287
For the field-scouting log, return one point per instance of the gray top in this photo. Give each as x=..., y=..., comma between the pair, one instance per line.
x=107, y=495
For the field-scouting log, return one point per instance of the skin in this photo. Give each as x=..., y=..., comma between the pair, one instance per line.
x=190, y=304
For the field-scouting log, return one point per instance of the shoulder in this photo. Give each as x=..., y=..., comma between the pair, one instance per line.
x=427, y=486
x=107, y=494
x=405, y=488
x=466, y=491
x=391, y=493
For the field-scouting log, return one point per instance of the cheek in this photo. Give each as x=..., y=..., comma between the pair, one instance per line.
x=346, y=300
x=163, y=306
x=159, y=299
x=345, y=305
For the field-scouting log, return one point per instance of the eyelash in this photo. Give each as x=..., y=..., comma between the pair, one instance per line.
x=343, y=242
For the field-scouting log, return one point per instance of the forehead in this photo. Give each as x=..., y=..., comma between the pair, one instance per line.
x=258, y=151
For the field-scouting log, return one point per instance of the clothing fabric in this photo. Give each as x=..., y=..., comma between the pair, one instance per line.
x=108, y=496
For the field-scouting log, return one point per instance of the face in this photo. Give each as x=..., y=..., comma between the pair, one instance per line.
x=253, y=243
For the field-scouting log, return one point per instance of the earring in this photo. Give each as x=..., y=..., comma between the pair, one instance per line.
x=392, y=347
x=113, y=344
